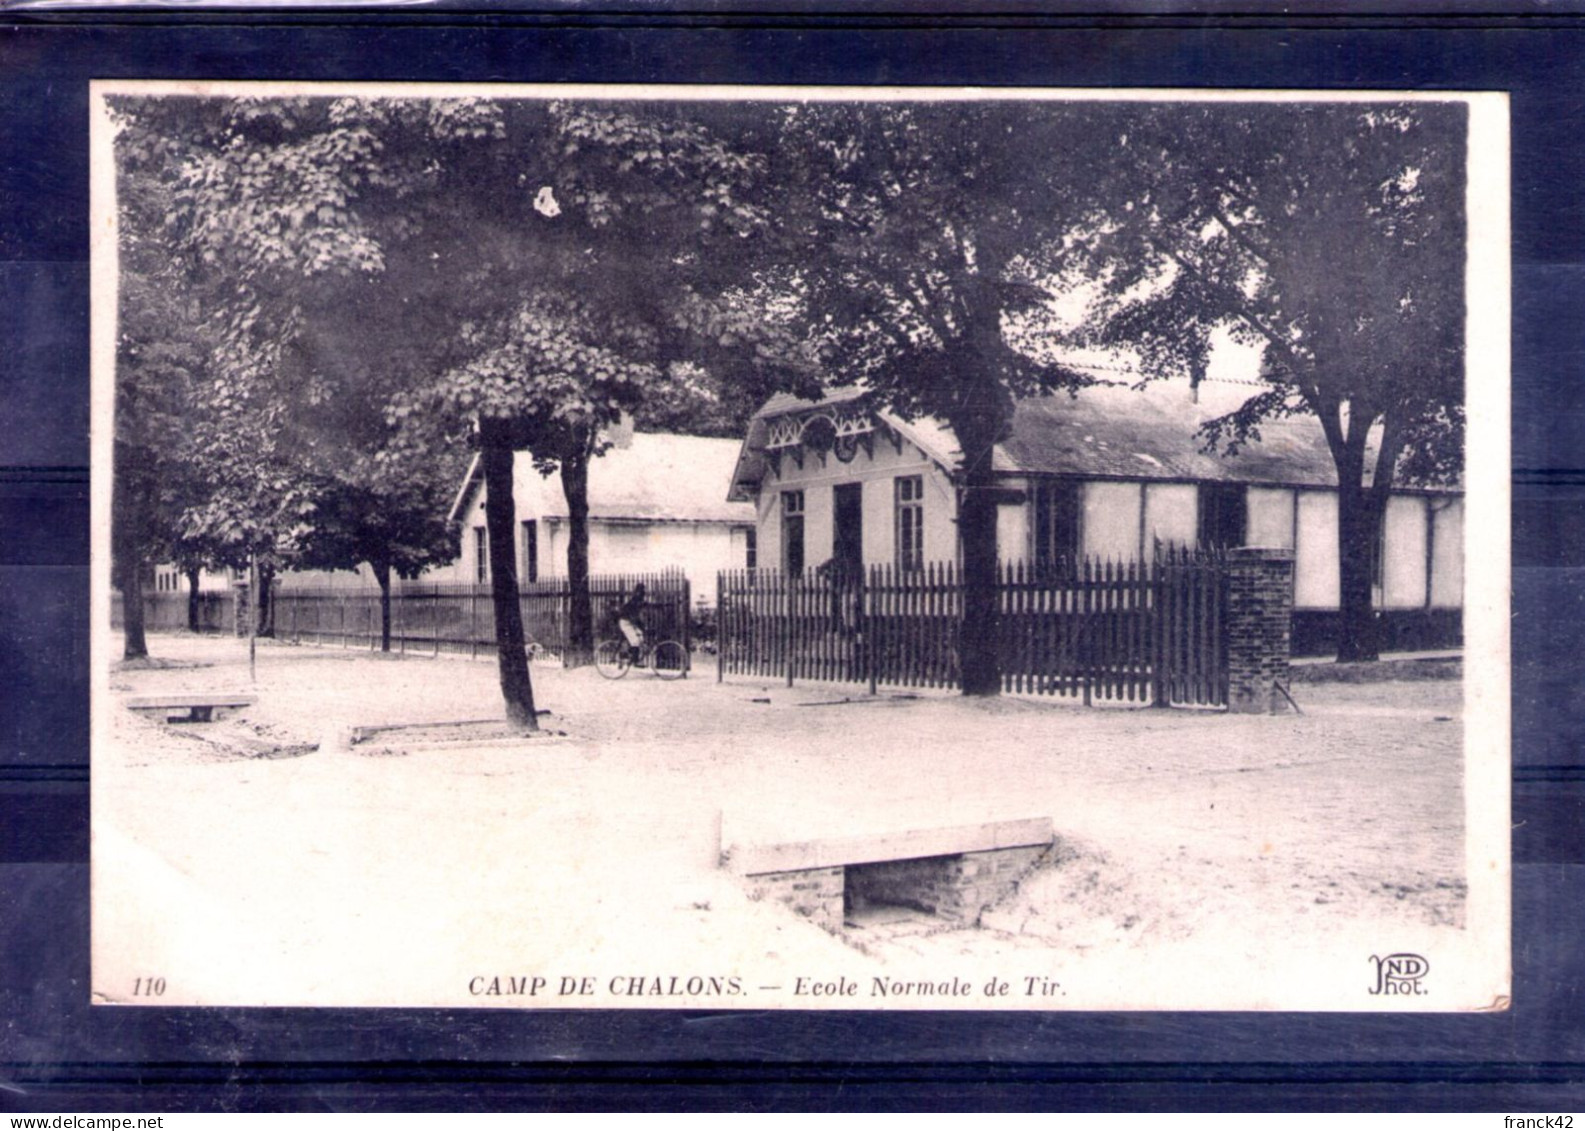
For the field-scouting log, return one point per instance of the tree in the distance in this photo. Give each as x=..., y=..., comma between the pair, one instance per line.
x=266, y=223
x=385, y=513
x=164, y=351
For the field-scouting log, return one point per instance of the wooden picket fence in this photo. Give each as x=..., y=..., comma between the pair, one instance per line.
x=1190, y=645
x=452, y=617
x=1084, y=631
x=167, y=612
x=1093, y=630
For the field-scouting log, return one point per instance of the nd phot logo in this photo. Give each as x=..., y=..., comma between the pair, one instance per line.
x=1399, y=974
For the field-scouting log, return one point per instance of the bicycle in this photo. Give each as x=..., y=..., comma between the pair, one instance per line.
x=666, y=659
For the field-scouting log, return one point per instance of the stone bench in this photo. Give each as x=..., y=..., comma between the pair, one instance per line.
x=199, y=707
x=954, y=872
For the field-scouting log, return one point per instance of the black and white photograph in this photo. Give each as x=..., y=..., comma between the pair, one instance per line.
x=777, y=548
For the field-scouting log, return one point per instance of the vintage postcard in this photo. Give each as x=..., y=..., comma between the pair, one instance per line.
x=800, y=548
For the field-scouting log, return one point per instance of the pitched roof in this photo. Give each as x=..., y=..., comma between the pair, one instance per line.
x=1152, y=433
x=930, y=436
x=658, y=477
x=1111, y=431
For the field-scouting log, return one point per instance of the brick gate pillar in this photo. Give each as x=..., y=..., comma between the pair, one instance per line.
x=1259, y=620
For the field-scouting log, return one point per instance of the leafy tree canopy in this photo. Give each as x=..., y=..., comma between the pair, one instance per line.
x=1330, y=237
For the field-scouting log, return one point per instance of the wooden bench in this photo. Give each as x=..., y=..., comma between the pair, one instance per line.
x=199, y=707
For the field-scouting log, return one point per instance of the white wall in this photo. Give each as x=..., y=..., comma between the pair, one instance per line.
x=1316, y=579
x=169, y=579
x=737, y=547
x=818, y=526
x=1013, y=532
x=880, y=526
x=1111, y=520
x=1447, y=553
x=1171, y=514
x=1403, y=557
x=1406, y=527
x=877, y=474
x=768, y=508
x=1270, y=517
x=700, y=549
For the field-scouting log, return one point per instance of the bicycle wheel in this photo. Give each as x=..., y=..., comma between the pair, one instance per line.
x=668, y=660
x=612, y=658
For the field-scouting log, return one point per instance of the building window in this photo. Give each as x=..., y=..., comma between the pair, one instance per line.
x=751, y=549
x=1224, y=515
x=1058, y=508
x=910, y=507
x=792, y=531
x=481, y=555
x=530, y=550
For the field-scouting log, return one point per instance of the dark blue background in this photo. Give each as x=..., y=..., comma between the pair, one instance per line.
x=60, y=1054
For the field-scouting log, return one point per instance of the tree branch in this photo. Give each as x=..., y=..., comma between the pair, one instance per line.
x=1239, y=310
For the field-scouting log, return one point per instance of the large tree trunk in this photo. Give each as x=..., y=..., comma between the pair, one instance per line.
x=978, y=424
x=128, y=517
x=1359, y=520
x=193, y=622
x=382, y=574
x=500, y=515
x=580, y=626
x=977, y=644
x=264, y=605
x=137, y=645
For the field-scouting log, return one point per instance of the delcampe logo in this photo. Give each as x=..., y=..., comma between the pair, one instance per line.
x=1399, y=974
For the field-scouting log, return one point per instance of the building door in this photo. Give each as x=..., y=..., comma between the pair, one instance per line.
x=847, y=548
x=792, y=532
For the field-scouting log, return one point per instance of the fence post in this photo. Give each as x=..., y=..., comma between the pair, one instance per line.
x=792, y=622
x=866, y=625
x=1159, y=629
x=1088, y=637
x=687, y=625
x=1257, y=624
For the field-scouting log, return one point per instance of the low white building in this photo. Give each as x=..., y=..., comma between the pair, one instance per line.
x=1106, y=474
x=655, y=502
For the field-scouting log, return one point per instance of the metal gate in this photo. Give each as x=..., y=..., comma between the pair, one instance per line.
x=1190, y=597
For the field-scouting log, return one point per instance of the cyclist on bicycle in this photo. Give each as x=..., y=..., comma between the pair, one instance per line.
x=628, y=615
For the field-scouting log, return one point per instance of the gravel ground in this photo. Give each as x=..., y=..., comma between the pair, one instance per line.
x=379, y=872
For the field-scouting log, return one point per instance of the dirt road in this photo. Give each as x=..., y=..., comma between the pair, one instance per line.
x=356, y=871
